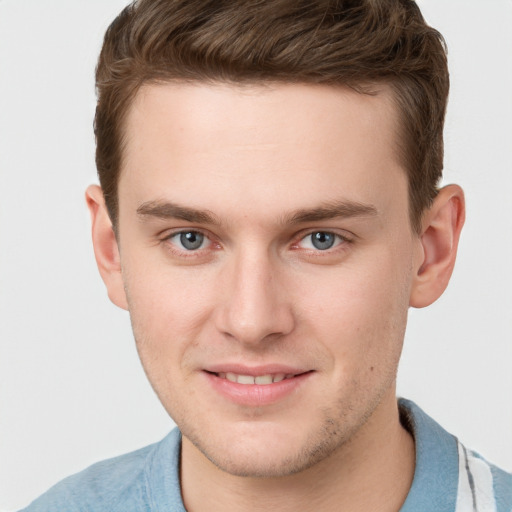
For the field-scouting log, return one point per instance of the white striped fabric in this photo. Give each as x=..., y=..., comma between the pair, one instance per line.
x=475, y=492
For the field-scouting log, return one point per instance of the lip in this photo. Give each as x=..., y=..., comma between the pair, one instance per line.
x=256, y=395
x=266, y=369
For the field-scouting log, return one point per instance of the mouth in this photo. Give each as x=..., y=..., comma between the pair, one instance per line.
x=253, y=387
x=261, y=380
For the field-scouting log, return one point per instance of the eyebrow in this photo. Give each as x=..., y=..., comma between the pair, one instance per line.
x=330, y=210
x=167, y=210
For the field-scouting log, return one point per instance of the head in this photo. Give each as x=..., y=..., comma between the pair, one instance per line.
x=269, y=211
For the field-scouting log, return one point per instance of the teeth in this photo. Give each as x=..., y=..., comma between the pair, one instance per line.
x=260, y=379
x=245, y=379
x=263, y=379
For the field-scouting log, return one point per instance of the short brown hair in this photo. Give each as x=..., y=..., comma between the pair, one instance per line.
x=353, y=43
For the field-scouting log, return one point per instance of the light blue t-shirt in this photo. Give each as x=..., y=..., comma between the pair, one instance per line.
x=447, y=478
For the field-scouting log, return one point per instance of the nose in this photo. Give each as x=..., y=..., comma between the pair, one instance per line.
x=255, y=306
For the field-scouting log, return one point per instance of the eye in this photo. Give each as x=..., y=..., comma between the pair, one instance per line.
x=321, y=240
x=189, y=240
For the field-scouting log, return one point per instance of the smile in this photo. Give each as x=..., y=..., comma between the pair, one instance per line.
x=257, y=379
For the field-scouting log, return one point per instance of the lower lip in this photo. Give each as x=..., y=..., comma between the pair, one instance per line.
x=256, y=395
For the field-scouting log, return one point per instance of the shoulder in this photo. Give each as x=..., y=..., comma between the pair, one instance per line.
x=118, y=484
x=448, y=476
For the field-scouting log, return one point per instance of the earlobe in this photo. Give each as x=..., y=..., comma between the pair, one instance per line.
x=442, y=224
x=106, y=249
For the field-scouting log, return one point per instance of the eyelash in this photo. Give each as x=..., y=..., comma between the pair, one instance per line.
x=184, y=253
x=340, y=240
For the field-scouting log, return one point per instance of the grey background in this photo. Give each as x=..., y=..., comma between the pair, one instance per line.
x=71, y=387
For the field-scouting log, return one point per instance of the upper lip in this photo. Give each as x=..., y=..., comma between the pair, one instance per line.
x=254, y=371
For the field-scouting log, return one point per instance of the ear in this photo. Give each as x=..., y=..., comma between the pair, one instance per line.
x=105, y=245
x=441, y=227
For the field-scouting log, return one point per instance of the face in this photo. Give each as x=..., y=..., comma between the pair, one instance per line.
x=267, y=257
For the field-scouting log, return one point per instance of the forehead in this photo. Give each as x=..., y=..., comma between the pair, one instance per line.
x=269, y=146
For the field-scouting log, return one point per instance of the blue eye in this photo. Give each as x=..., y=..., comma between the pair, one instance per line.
x=321, y=240
x=189, y=240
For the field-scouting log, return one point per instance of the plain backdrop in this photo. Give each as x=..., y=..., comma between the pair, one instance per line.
x=71, y=388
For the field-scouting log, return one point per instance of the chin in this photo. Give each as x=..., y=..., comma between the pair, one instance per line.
x=263, y=463
x=267, y=451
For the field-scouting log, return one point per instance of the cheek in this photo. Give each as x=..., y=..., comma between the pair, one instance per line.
x=167, y=312
x=361, y=314
x=165, y=323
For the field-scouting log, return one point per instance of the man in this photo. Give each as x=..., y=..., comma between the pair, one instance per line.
x=268, y=212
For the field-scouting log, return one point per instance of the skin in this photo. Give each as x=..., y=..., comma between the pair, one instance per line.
x=256, y=171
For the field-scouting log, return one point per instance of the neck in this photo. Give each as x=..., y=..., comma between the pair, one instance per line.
x=373, y=471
